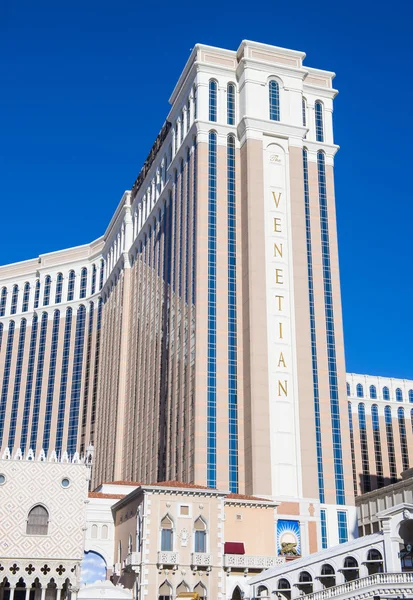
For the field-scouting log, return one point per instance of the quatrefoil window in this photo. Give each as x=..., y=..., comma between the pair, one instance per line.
x=60, y=570
x=14, y=568
x=30, y=568
x=45, y=569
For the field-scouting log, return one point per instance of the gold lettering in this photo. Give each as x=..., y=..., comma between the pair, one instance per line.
x=279, y=276
x=280, y=330
x=277, y=225
x=280, y=300
x=281, y=361
x=278, y=249
x=282, y=388
x=276, y=200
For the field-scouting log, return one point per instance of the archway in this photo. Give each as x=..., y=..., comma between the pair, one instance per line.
x=93, y=567
x=236, y=594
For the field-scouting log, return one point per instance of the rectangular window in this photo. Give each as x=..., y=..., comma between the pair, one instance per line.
x=200, y=541
x=324, y=540
x=342, y=527
x=166, y=540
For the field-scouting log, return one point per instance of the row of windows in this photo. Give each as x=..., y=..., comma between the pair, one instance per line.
x=327, y=575
x=46, y=298
x=377, y=447
x=168, y=533
x=165, y=591
x=385, y=393
x=213, y=102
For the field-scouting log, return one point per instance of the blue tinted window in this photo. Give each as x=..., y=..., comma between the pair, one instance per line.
x=399, y=395
x=231, y=104
x=71, y=286
x=386, y=394
x=29, y=384
x=377, y=445
x=76, y=380
x=102, y=273
x=373, y=392
x=6, y=376
x=360, y=391
x=39, y=380
x=51, y=380
x=59, y=287
x=304, y=112
x=14, y=298
x=63, y=380
x=403, y=439
x=26, y=295
x=274, y=98
x=348, y=389
x=213, y=86
x=211, y=340
x=316, y=393
x=319, y=125
x=46, y=292
x=364, y=448
x=410, y=395
x=36, y=293
x=342, y=527
x=83, y=282
x=390, y=443
x=93, y=279
x=3, y=298
x=324, y=540
x=353, y=454
x=17, y=382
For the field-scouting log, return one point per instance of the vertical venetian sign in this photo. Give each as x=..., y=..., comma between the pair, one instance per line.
x=280, y=326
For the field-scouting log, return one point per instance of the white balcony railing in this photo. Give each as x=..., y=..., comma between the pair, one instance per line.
x=247, y=561
x=346, y=589
x=132, y=559
x=168, y=558
x=201, y=559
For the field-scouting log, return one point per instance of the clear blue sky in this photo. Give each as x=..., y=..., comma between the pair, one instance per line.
x=84, y=90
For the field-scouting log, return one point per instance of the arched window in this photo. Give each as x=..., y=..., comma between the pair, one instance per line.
x=386, y=394
x=83, y=282
x=350, y=569
x=26, y=295
x=104, y=532
x=373, y=392
x=166, y=534
x=231, y=104
x=410, y=395
x=102, y=273
x=94, y=532
x=182, y=588
x=374, y=561
x=390, y=443
x=37, y=293
x=377, y=445
x=182, y=126
x=3, y=299
x=284, y=588
x=188, y=125
x=195, y=97
x=14, y=297
x=165, y=591
x=200, y=590
x=327, y=576
x=93, y=287
x=364, y=448
x=46, y=292
x=305, y=582
x=262, y=591
x=399, y=395
x=348, y=389
x=359, y=391
x=200, y=535
x=274, y=98
x=403, y=439
x=319, y=125
x=213, y=87
x=130, y=544
x=59, y=287
x=37, y=521
x=304, y=111
x=71, y=285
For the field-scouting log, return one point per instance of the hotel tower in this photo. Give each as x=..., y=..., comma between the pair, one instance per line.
x=200, y=338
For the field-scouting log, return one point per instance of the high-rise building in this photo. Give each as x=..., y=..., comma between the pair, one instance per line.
x=200, y=339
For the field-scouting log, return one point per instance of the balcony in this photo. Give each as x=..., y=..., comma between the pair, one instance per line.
x=247, y=561
x=389, y=584
x=131, y=562
x=201, y=560
x=168, y=559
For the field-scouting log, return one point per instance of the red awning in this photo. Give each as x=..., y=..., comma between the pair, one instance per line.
x=234, y=548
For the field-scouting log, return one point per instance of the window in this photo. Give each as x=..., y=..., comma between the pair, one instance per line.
x=17, y=383
x=165, y=591
x=130, y=544
x=37, y=521
x=166, y=534
x=319, y=126
x=194, y=94
x=104, y=532
x=14, y=297
x=200, y=535
x=410, y=395
x=92, y=291
x=200, y=590
x=399, y=395
x=3, y=299
x=390, y=443
x=71, y=285
x=182, y=127
x=6, y=376
x=403, y=439
x=213, y=87
x=359, y=391
x=364, y=448
x=342, y=526
x=188, y=122
x=102, y=273
x=94, y=532
x=182, y=588
x=262, y=591
x=76, y=379
x=373, y=392
x=274, y=98
x=386, y=394
x=348, y=389
x=59, y=286
x=284, y=589
x=304, y=111
x=46, y=291
x=305, y=582
x=350, y=569
x=39, y=381
x=374, y=562
x=231, y=104
x=323, y=517
x=37, y=293
x=26, y=295
x=377, y=445
x=327, y=576
x=51, y=382
x=83, y=282
x=184, y=510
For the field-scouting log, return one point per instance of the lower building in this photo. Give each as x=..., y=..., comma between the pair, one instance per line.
x=42, y=522
x=376, y=565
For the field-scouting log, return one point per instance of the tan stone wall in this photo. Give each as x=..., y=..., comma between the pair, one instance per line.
x=254, y=526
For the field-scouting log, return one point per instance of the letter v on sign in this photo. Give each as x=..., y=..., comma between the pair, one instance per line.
x=276, y=199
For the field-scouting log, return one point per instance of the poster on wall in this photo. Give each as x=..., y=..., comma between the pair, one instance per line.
x=288, y=538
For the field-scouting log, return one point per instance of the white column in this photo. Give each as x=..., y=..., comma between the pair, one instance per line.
x=58, y=592
x=11, y=592
x=28, y=592
x=43, y=594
